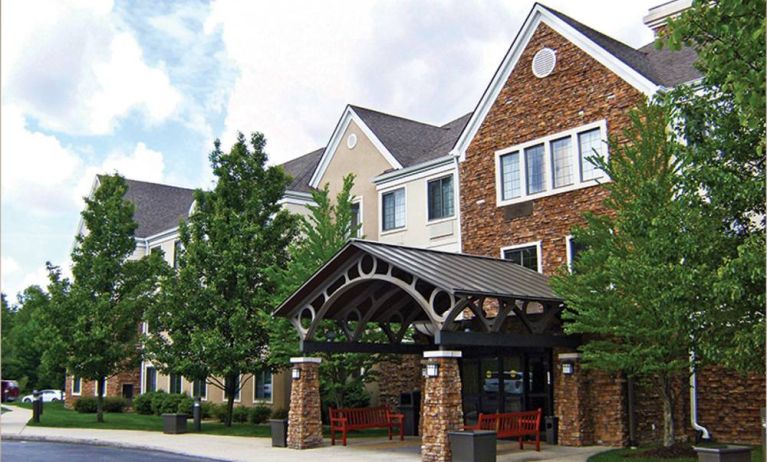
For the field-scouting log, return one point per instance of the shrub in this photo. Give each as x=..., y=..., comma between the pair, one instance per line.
x=280, y=414
x=207, y=409
x=259, y=414
x=86, y=405
x=185, y=405
x=142, y=404
x=158, y=398
x=219, y=411
x=171, y=403
x=115, y=404
x=240, y=414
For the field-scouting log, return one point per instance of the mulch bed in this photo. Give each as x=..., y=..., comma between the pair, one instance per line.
x=676, y=451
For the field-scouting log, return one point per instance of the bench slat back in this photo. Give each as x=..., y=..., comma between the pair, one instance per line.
x=362, y=416
x=511, y=422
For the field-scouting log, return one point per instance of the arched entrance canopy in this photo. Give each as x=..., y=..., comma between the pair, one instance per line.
x=454, y=299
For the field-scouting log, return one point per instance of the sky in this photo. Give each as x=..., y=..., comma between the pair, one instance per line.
x=144, y=87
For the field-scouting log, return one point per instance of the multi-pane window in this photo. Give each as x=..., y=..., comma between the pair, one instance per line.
x=199, y=388
x=510, y=181
x=394, y=209
x=574, y=249
x=526, y=256
x=590, y=145
x=263, y=386
x=440, y=197
x=175, y=383
x=236, y=385
x=536, y=169
x=559, y=162
x=562, y=162
x=356, y=220
x=150, y=379
x=77, y=383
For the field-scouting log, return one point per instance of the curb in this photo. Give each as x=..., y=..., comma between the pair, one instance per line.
x=102, y=443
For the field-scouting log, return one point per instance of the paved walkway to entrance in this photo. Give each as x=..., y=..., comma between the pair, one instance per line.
x=232, y=448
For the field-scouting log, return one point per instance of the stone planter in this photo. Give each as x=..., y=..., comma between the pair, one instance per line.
x=472, y=446
x=724, y=454
x=174, y=423
x=279, y=433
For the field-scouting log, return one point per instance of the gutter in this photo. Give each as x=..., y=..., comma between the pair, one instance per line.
x=704, y=433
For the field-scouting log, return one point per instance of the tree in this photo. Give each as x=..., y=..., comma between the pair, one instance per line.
x=634, y=289
x=324, y=232
x=94, y=321
x=208, y=325
x=723, y=123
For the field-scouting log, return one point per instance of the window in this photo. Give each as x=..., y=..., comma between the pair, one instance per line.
x=357, y=218
x=550, y=165
x=77, y=384
x=562, y=163
x=150, y=379
x=536, y=169
x=199, y=388
x=394, y=209
x=510, y=181
x=440, y=200
x=237, y=393
x=590, y=145
x=263, y=386
x=526, y=255
x=174, y=383
x=176, y=253
x=574, y=249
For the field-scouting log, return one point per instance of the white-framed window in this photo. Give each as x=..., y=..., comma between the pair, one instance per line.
x=262, y=386
x=527, y=255
x=177, y=246
x=440, y=198
x=96, y=387
x=200, y=387
x=357, y=216
x=550, y=165
x=573, y=248
x=150, y=379
x=175, y=383
x=393, y=210
x=77, y=386
x=238, y=394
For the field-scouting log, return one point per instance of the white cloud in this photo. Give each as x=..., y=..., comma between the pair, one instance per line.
x=72, y=67
x=8, y=266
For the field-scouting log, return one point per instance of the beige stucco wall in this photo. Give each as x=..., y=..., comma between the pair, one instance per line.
x=295, y=208
x=441, y=234
x=366, y=162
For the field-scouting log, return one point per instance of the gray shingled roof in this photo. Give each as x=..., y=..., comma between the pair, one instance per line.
x=662, y=67
x=301, y=169
x=159, y=207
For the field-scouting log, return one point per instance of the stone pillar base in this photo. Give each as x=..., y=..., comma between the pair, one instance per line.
x=304, y=420
x=442, y=409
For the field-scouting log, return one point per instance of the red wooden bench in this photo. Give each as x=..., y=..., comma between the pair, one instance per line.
x=359, y=418
x=512, y=424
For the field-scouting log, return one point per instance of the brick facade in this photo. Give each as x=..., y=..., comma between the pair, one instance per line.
x=114, y=386
x=398, y=377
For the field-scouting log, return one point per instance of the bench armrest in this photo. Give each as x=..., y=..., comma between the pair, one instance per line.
x=341, y=420
x=399, y=417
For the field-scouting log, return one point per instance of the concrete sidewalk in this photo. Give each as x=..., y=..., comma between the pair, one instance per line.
x=233, y=448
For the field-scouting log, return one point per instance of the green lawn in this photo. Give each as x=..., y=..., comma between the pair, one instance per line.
x=617, y=455
x=55, y=415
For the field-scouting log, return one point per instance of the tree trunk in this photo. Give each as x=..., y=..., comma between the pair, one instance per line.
x=231, y=389
x=100, y=400
x=669, y=436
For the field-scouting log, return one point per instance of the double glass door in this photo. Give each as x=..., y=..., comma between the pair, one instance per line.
x=509, y=383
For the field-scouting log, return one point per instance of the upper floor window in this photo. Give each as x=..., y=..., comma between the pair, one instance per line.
x=263, y=384
x=574, y=249
x=150, y=379
x=175, y=383
x=550, y=165
x=393, y=205
x=527, y=255
x=357, y=218
x=440, y=202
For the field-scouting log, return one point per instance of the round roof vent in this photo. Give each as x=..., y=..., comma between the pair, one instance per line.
x=544, y=62
x=351, y=141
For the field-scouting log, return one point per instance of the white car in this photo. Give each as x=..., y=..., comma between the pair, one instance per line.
x=48, y=396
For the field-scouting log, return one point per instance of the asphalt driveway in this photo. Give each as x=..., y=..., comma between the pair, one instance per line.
x=37, y=451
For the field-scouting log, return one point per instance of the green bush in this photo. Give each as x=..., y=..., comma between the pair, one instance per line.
x=158, y=398
x=115, y=404
x=186, y=405
x=240, y=414
x=142, y=404
x=259, y=414
x=219, y=411
x=86, y=405
x=171, y=403
x=280, y=414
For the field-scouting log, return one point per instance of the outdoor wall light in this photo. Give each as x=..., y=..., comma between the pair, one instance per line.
x=432, y=370
x=567, y=368
x=295, y=373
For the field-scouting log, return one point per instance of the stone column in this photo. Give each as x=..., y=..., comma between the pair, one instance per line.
x=441, y=406
x=571, y=401
x=304, y=420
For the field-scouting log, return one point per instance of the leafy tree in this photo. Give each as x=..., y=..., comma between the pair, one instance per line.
x=94, y=320
x=6, y=324
x=723, y=123
x=634, y=289
x=209, y=314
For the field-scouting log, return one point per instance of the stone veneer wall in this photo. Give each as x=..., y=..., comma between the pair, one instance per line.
x=304, y=418
x=729, y=404
x=441, y=410
x=396, y=377
x=113, y=388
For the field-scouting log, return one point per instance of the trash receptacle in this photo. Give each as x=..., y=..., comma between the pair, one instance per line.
x=279, y=433
x=410, y=407
x=728, y=453
x=552, y=428
x=174, y=423
x=473, y=445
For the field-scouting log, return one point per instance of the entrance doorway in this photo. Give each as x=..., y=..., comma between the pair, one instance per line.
x=507, y=382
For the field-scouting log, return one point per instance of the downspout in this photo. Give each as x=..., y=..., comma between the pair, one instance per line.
x=704, y=433
x=457, y=159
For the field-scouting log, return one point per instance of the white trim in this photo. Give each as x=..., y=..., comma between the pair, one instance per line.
x=348, y=116
x=381, y=193
x=439, y=169
x=569, y=356
x=539, y=14
x=170, y=233
x=305, y=359
x=426, y=185
x=296, y=198
x=538, y=251
x=404, y=175
x=569, y=250
x=571, y=133
x=79, y=393
x=657, y=16
x=256, y=399
x=441, y=354
x=96, y=387
x=360, y=200
x=458, y=202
